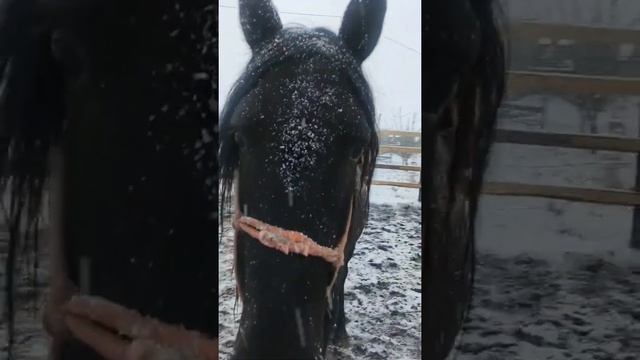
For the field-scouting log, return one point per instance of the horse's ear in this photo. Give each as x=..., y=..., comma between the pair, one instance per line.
x=362, y=25
x=260, y=21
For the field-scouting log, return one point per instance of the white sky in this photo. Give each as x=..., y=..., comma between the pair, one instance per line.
x=393, y=69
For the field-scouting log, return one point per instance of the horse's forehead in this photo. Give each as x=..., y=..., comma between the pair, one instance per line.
x=304, y=108
x=304, y=127
x=307, y=94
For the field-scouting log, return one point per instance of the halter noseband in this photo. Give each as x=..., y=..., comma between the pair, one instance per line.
x=288, y=241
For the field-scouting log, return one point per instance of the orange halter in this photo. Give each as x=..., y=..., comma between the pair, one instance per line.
x=288, y=241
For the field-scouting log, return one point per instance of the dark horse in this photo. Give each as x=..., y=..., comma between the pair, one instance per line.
x=298, y=143
x=464, y=79
x=122, y=90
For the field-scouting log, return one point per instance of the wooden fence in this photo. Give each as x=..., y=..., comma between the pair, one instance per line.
x=521, y=83
x=384, y=149
x=528, y=82
x=533, y=31
x=574, y=141
x=532, y=82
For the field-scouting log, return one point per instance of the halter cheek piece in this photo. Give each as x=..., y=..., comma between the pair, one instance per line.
x=288, y=241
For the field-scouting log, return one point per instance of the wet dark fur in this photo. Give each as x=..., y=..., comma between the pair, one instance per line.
x=112, y=83
x=464, y=80
x=255, y=120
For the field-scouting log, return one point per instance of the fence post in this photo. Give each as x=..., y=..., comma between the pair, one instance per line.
x=635, y=228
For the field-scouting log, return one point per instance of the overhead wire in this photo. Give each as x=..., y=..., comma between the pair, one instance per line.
x=399, y=43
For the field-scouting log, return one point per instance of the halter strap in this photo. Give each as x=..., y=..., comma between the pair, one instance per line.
x=289, y=241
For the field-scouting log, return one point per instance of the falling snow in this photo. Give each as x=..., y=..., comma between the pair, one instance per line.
x=191, y=102
x=303, y=137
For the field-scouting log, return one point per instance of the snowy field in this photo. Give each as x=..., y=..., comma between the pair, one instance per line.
x=557, y=279
x=529, y=308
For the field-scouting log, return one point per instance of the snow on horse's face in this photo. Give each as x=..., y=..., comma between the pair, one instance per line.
x=298, y=138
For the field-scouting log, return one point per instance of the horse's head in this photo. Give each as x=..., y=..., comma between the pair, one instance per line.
x=298, y=139
x=138, y=200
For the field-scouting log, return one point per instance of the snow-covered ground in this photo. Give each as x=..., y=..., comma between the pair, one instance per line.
x=557, y=279
x=530, y=308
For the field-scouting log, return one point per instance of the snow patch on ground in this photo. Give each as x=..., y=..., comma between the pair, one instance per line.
x=525, y=308
x=547, y=229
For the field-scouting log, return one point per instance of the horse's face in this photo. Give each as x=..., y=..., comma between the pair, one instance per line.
x=302, y=138
x=301, y=135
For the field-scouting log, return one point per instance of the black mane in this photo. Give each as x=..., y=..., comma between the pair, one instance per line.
x=465, y=84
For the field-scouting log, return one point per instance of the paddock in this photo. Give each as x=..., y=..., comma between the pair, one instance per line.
x=557, y=240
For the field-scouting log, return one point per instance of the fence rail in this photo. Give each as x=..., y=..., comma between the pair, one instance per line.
x=385, y=133
x=533, y=31
x=384, y=149
x=523, y=82
x=575, y=141
x=398, y=167
x=392, y=149
x=605, y=197
x=395, y=183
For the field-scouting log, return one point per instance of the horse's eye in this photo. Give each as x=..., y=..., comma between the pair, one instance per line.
x=356, y=152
